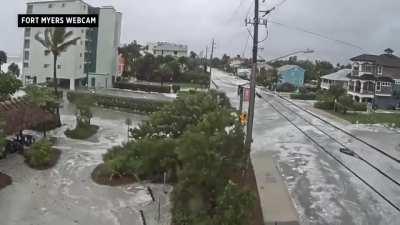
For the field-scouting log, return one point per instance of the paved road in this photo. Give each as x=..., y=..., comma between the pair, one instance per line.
x=324, y=192
x=66, y=195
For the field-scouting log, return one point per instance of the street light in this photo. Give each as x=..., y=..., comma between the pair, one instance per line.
x=306, y=51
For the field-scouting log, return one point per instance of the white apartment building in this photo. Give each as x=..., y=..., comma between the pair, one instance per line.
x=94, y=56
x=166, y=48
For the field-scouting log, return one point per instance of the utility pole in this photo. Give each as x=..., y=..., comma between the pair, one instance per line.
x=256, y=22
x=205, y=60
x=249, y=133
x=212, y=53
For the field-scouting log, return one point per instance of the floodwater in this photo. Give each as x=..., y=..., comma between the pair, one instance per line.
x=66, y=195
x=323, y=192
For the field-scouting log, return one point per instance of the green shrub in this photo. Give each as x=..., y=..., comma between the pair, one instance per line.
x=286, y=87
x=304, y=96
x=41, y=155
x=361, y=107
x=195, y=77
x=324, y=105
x=147, y=87
x=131, y=104
x=82, y=132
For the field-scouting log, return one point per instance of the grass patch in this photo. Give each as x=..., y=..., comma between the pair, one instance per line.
x=5, y=180
x=42, y=155
x=82, y=132
x=371, y=118
x=103, y=175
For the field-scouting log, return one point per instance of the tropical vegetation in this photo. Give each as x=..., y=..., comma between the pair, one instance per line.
x=42, y=155
x=9, y=85
x=197, y=141
x=84, y=129
x=56, y=41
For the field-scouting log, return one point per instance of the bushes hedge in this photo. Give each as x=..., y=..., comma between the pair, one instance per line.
x=131, y=104
x=147, y=87
x=82, y=132
x=286, y=87
x=42, y=155
x=198, y=142
x=304, y=96
x=195, y=77
x=324, y=105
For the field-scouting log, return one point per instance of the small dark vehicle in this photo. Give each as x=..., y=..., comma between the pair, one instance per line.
x=348, y=152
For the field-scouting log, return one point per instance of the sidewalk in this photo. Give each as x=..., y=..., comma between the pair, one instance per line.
x=276, y=203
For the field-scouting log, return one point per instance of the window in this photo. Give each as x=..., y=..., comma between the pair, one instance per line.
x=81, y=55
x=63, y=5
x=380, y=70
x=50, y=6
x=378, y=86
x=26, y=55
x=27, y=44
x=175, y=52
x=367, y=68
x=386, y=84
x=29, y=10
x=46, y=65
x=26, y=65
x=27, y=32
x=397, y=82
x=46, y=52
x=58, y=66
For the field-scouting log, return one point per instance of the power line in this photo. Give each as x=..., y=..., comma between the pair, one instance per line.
x=333, y=156
x=317, y=35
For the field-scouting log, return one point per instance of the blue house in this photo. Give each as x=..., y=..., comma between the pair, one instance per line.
x=292, y=74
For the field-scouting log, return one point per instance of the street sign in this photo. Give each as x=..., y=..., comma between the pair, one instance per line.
x=243, y=118
x=246, y=94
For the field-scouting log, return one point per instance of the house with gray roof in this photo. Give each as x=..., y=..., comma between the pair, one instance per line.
x=339, y=78
x=376, y=79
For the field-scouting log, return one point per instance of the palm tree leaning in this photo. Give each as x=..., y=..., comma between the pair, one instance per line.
x=56, y=41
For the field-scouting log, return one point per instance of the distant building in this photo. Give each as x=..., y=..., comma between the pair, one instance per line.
x=237, y=63
x=122, y=64
x=340, y=78
x=95, y=53
x=166, y=48
x=376, y=78
x=244, y=73
x=291, y=74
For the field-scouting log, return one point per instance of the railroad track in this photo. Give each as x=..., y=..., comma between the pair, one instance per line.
x=347, y=161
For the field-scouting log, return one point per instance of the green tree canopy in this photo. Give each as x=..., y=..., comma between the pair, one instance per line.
x=3, y=59
x=9, y=84
x=14, y=69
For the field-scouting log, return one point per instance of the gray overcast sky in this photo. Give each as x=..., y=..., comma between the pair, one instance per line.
x=372, y=24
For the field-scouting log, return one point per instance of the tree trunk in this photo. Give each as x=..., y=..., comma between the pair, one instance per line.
x=56, y=88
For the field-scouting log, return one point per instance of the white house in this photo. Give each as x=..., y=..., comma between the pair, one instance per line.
x=95, y=53
x=166, y=48
x=339, y=78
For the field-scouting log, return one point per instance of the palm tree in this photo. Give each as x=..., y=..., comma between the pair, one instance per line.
x=56, y=41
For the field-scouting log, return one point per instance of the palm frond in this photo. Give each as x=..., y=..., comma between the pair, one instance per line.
x=41, y=40
x=58, y=35
x=63, y=47
x=47, y=36
x=68, y=34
